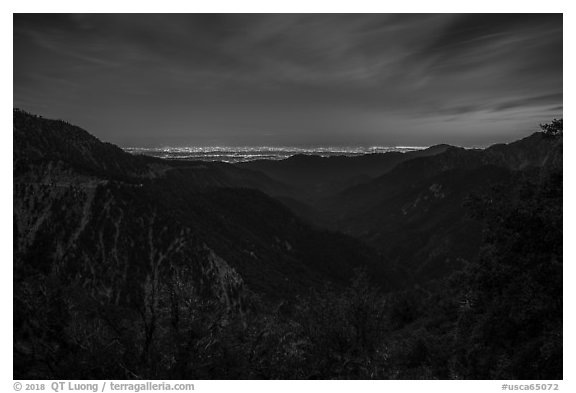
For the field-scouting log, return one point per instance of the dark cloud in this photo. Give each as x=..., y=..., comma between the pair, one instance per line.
x=296, y=78
x=538, y=101
x=464, y=32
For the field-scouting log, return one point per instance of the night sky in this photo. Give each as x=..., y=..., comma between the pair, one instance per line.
x=292, y=79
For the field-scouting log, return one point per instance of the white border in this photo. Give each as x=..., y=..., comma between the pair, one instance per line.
x=257, y=6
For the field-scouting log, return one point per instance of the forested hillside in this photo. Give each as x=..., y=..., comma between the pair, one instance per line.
x=441, y=265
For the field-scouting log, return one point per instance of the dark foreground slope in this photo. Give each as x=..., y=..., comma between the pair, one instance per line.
x=114, y=242
x=131, y=267
x=500, y=317
x=482, y=233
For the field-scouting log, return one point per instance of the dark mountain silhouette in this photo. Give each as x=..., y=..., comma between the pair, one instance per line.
x=315, y=177
x=53, y=150
x=415, y=213
x=132, y=267
x=216, y=202
x=121, y=229
x=534, y=151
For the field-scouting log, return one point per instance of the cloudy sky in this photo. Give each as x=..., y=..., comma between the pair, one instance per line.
x=292, y=79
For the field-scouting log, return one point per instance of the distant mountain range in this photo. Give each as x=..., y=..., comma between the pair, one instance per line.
x=81, y=202
x=122, y=230
x=416, y=213
x=315, y=176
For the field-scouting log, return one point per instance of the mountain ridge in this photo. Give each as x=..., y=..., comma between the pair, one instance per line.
x=144, y=267
x=188, y=195
x=379, y=210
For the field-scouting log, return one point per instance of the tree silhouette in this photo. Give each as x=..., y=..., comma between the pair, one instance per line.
x=552, y=129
